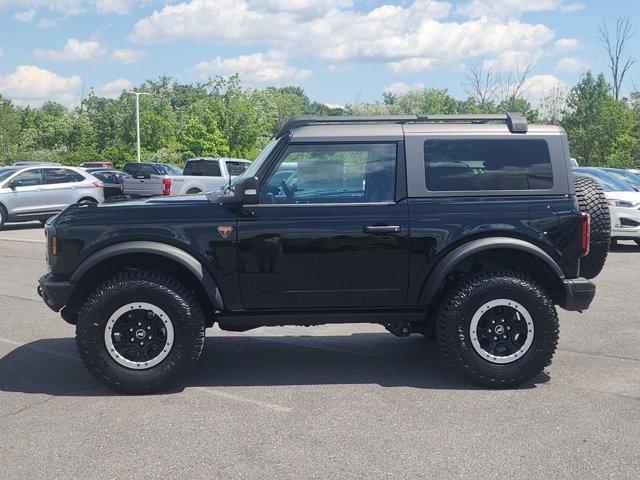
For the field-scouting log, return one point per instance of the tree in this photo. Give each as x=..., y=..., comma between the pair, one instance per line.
x=482, y=85
x=600, y=128
x=197, y=140
x=616, y=44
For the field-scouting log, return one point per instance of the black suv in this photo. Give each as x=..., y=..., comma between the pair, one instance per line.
x=468, y=228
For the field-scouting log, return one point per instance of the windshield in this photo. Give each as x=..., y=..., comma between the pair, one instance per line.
x=255, y=165
x=6, y=173
x=609, y=183
x=165, y=169
x=626, y=177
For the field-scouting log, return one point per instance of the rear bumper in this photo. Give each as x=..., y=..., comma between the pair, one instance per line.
x=579, y=293
x=55, y=294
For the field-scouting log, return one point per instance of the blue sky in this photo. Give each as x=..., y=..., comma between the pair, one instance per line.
x=338, y=50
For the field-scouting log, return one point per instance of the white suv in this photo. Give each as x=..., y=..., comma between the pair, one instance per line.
x=39, y=192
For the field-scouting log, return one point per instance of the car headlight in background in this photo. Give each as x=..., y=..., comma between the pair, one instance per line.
x=622, y=203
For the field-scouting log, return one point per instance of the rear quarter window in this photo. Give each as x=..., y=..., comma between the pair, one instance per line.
x=487, y=164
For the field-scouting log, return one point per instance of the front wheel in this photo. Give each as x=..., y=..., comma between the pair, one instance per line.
x=499, y=329
x=140, y=331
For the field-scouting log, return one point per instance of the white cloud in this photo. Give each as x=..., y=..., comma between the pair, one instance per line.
x=512, y=61
x=565, y=45
x=539, y=86
x=400, y=88
x=417, y=33
x=25, y=16
x=127, y=56
x=572, y=65
x=31, y=85
x=271, y=67
x=412, y=65
x=114, y=89
x=307, y=8
x=73, y=50
x=119, y=7
x=515, y=8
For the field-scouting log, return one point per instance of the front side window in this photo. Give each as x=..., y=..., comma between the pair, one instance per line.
x=487, y=164
x=336, y=173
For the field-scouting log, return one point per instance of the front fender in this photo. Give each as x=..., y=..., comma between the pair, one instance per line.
x=169, y=251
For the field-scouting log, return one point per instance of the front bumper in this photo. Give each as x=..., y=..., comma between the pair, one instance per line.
x=55, y=293
x=625, y=223
x=579, y=293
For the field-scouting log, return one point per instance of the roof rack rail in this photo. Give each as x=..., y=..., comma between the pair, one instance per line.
x=516, y=122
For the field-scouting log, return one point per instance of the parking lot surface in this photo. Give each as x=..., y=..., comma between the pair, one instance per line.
x=347, y=401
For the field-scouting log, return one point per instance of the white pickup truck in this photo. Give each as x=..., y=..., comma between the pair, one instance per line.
x=200, y=175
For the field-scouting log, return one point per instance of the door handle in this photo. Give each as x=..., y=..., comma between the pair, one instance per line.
x=381, y=229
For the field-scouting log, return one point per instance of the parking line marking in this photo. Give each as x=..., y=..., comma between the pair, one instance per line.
x=37, y=300
x=243, y=399
x=39, y=349
x=23, y=240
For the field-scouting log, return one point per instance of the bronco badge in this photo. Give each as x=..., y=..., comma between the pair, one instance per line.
x=225, y=230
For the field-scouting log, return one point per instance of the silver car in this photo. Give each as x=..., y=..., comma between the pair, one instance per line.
x=39, y=192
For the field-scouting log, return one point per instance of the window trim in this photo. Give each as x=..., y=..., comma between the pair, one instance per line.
x=272, y=164
x=416, y=168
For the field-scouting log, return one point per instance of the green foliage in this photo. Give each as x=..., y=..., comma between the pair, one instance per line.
x=221, y=117
x=601, y=129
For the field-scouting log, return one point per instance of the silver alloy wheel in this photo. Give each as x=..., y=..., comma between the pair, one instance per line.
x=139, y=331
x=503, y=332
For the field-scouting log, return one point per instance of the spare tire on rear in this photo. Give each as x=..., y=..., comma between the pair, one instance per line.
x=591, y=200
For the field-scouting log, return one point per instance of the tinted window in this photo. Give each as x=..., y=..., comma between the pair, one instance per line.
x=347, y=173
x=131, y=168
x=29, y=178
x=105, y=177
x=472, y=165
x=165, y=169
x=6, y=173
x=199, y=168
x=236, y=168
x=60, y=175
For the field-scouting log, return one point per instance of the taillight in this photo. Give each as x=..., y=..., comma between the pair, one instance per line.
x=98, y=184
x=54, y=245
x=166, y=186
x=585, y=237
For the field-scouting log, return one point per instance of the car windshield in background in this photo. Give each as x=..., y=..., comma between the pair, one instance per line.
x=236, y=168
x=626, y=177
x=253, y=168
x=609, y=183
x=165, y=169
x=7, y=172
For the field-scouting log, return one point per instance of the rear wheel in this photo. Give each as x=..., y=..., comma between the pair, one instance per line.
x=140, y=331
x=499, y=329
x=87, y=201
x=591, y=200
x=193, y=191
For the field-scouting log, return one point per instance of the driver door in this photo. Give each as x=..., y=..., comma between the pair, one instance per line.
x=28, y=196
x=328, y=232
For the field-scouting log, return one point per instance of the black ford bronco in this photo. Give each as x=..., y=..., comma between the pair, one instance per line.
x=467, y=228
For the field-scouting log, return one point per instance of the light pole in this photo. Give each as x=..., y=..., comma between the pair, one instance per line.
x=137, y=94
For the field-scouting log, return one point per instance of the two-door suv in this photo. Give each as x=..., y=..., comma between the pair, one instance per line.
x=469, y=228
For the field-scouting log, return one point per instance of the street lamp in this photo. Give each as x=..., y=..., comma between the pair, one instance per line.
x=137, y=94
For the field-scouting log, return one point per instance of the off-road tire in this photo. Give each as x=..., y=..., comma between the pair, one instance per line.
x=156, y=288
x=454, y=319
x=591, y=200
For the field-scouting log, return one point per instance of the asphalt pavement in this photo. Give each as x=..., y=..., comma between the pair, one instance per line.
x=327, y=402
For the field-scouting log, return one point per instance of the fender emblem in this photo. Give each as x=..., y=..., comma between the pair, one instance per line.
x=225, y=230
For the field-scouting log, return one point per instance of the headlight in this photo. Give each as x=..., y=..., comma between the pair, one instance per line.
x=622, y=203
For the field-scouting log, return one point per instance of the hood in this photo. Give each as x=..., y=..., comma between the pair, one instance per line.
x=628, y=196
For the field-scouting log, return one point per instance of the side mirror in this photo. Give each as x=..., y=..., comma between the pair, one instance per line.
x=245, y=192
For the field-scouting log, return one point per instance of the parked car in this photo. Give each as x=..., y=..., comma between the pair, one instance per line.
x=479, y=256
x=37, y=193
x=635, y=171
x=102, y=165
x=624, y=204
x=144, y=178
x=626, y=176
x=112, y=180
x=27, y=163
x=199, y=175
